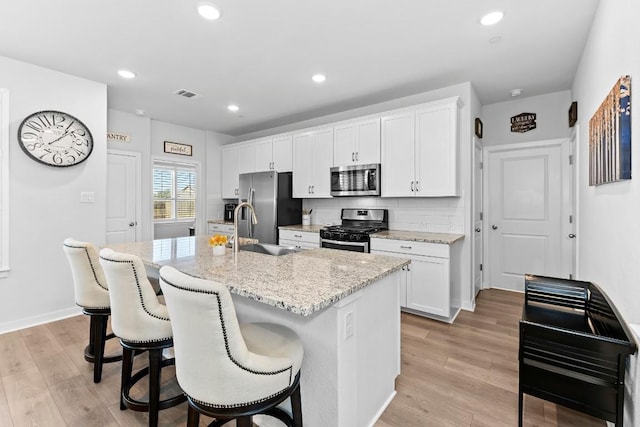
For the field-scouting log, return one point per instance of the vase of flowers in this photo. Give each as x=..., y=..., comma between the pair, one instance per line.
x=217, y=243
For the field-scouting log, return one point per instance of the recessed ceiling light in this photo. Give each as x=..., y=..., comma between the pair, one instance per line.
x=516, y=92
x=126, y=74
x=319, y=78
x=208, y=11
x=492, y=18
x=233, y=107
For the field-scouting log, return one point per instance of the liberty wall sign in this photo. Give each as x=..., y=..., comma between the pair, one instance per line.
x=523, y=122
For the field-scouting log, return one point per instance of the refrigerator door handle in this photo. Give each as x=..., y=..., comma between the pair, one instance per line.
x=251, y=197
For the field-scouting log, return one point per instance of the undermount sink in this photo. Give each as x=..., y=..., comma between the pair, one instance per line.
x=265, y=248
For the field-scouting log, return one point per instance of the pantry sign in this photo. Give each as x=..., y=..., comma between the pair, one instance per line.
x=523, y=122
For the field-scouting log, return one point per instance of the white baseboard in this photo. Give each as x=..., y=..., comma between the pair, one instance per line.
x=382, y=408
x=39, y=320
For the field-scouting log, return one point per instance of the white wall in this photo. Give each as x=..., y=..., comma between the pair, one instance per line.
x=552, y=120
x=45, y=203
x=608, y=215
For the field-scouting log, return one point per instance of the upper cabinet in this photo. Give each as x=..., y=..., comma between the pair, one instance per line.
x=247, y=158
x=357, y=143
x=274, y=154
x=230, y=181
x=312, y=161
x=419, y=151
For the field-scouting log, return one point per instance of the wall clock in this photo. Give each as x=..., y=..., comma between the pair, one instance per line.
x=55, y=138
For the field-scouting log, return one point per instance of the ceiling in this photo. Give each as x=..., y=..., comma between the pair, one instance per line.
x=261, y=54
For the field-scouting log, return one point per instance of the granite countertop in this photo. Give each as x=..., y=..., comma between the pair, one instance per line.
x=313, y=228
x=418, y=236
x=302, y=283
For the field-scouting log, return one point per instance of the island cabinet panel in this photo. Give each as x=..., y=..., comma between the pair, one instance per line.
x=357, y=143
x=312, y=159
x=230, y=180
x=426, y=288
x=419, y=151
x=348, y=377
x=299, y=239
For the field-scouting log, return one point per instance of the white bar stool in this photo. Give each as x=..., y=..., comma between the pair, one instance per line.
x=227, y=370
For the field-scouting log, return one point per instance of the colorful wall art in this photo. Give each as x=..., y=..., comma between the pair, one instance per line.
x=610, y=136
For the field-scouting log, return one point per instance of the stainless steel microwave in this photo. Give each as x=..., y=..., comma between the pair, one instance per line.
x=357, y=180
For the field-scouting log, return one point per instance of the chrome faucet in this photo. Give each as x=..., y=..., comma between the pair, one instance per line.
x=254, y=220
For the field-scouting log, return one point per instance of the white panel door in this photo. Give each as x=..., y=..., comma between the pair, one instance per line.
x=368, y=142
x=283, y=153
x=322, y=163
x=524, y=225
x=263, y=150
x=344, y=143
x=477, y=217
x=436, y=151
x=302, y=165
x=230, y=183
x=123, y=183
x=397, y=155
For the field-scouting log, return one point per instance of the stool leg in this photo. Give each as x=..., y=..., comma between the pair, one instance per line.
x=92, y=328
x=99, y=337
x=244, y=422
x=155, y=358
x=193, y=417
x=296, y=407
x=127, y=368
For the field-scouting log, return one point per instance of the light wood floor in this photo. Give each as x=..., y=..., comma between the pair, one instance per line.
x=465, y=374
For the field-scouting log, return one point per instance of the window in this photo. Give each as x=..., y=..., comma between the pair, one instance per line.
x=174, y=192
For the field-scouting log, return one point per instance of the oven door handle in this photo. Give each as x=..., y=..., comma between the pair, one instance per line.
x=365, y=245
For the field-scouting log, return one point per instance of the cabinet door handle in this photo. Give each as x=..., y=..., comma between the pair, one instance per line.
x=313, y=189
x=405, y=247
x=356, y=156
x=309, y=190
x=572, y=236
x=478, y=230
x=417, y=188
x=353, y=156
x=408, y=268
x=412, y=190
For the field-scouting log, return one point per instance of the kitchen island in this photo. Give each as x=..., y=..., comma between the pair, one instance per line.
x=343, y=305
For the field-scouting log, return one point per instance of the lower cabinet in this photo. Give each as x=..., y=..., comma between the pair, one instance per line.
x=226, y=229
x=299, y=239
x=426, y=284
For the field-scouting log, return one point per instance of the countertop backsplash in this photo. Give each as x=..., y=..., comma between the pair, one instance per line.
x=434, y=215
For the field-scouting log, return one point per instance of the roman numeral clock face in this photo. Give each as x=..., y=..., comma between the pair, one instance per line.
x=55, y=138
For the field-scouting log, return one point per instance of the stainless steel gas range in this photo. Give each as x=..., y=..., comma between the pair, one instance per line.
x=353, y=233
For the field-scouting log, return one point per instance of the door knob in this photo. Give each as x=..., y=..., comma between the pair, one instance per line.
x=478, y=230
x=131, y=224
x=572, y=236
x=494, y=227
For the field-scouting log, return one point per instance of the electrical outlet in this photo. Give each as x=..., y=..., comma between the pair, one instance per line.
x=87, y=197
x=348, y=325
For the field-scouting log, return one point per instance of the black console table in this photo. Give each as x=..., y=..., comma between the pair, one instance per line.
x=573, y=346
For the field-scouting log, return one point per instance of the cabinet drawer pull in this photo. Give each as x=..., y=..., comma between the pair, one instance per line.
x=405, y=247
x=298, y=236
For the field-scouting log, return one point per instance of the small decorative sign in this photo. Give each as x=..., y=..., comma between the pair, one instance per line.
x=523, y=122
x=175, y=148
x=118, y=137
x=573, y=114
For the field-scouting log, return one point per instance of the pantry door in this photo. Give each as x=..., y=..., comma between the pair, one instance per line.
x=123, y=201
x=528, y=209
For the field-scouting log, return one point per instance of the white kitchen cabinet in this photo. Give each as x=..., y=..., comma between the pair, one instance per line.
x=419, y=151
x=426, y=287
x=230, y=180
x=299, y=239
x=274, y=154
x=357, y=142
x=226, y=229
x=312, y=161
x=246, y=157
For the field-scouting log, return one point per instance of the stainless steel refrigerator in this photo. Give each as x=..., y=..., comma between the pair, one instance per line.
x=270, y=194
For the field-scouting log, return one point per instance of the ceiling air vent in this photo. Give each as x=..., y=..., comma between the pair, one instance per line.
x=186, y=93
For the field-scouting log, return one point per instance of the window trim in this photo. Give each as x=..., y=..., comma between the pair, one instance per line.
x=167, y=164
x=4, y=183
